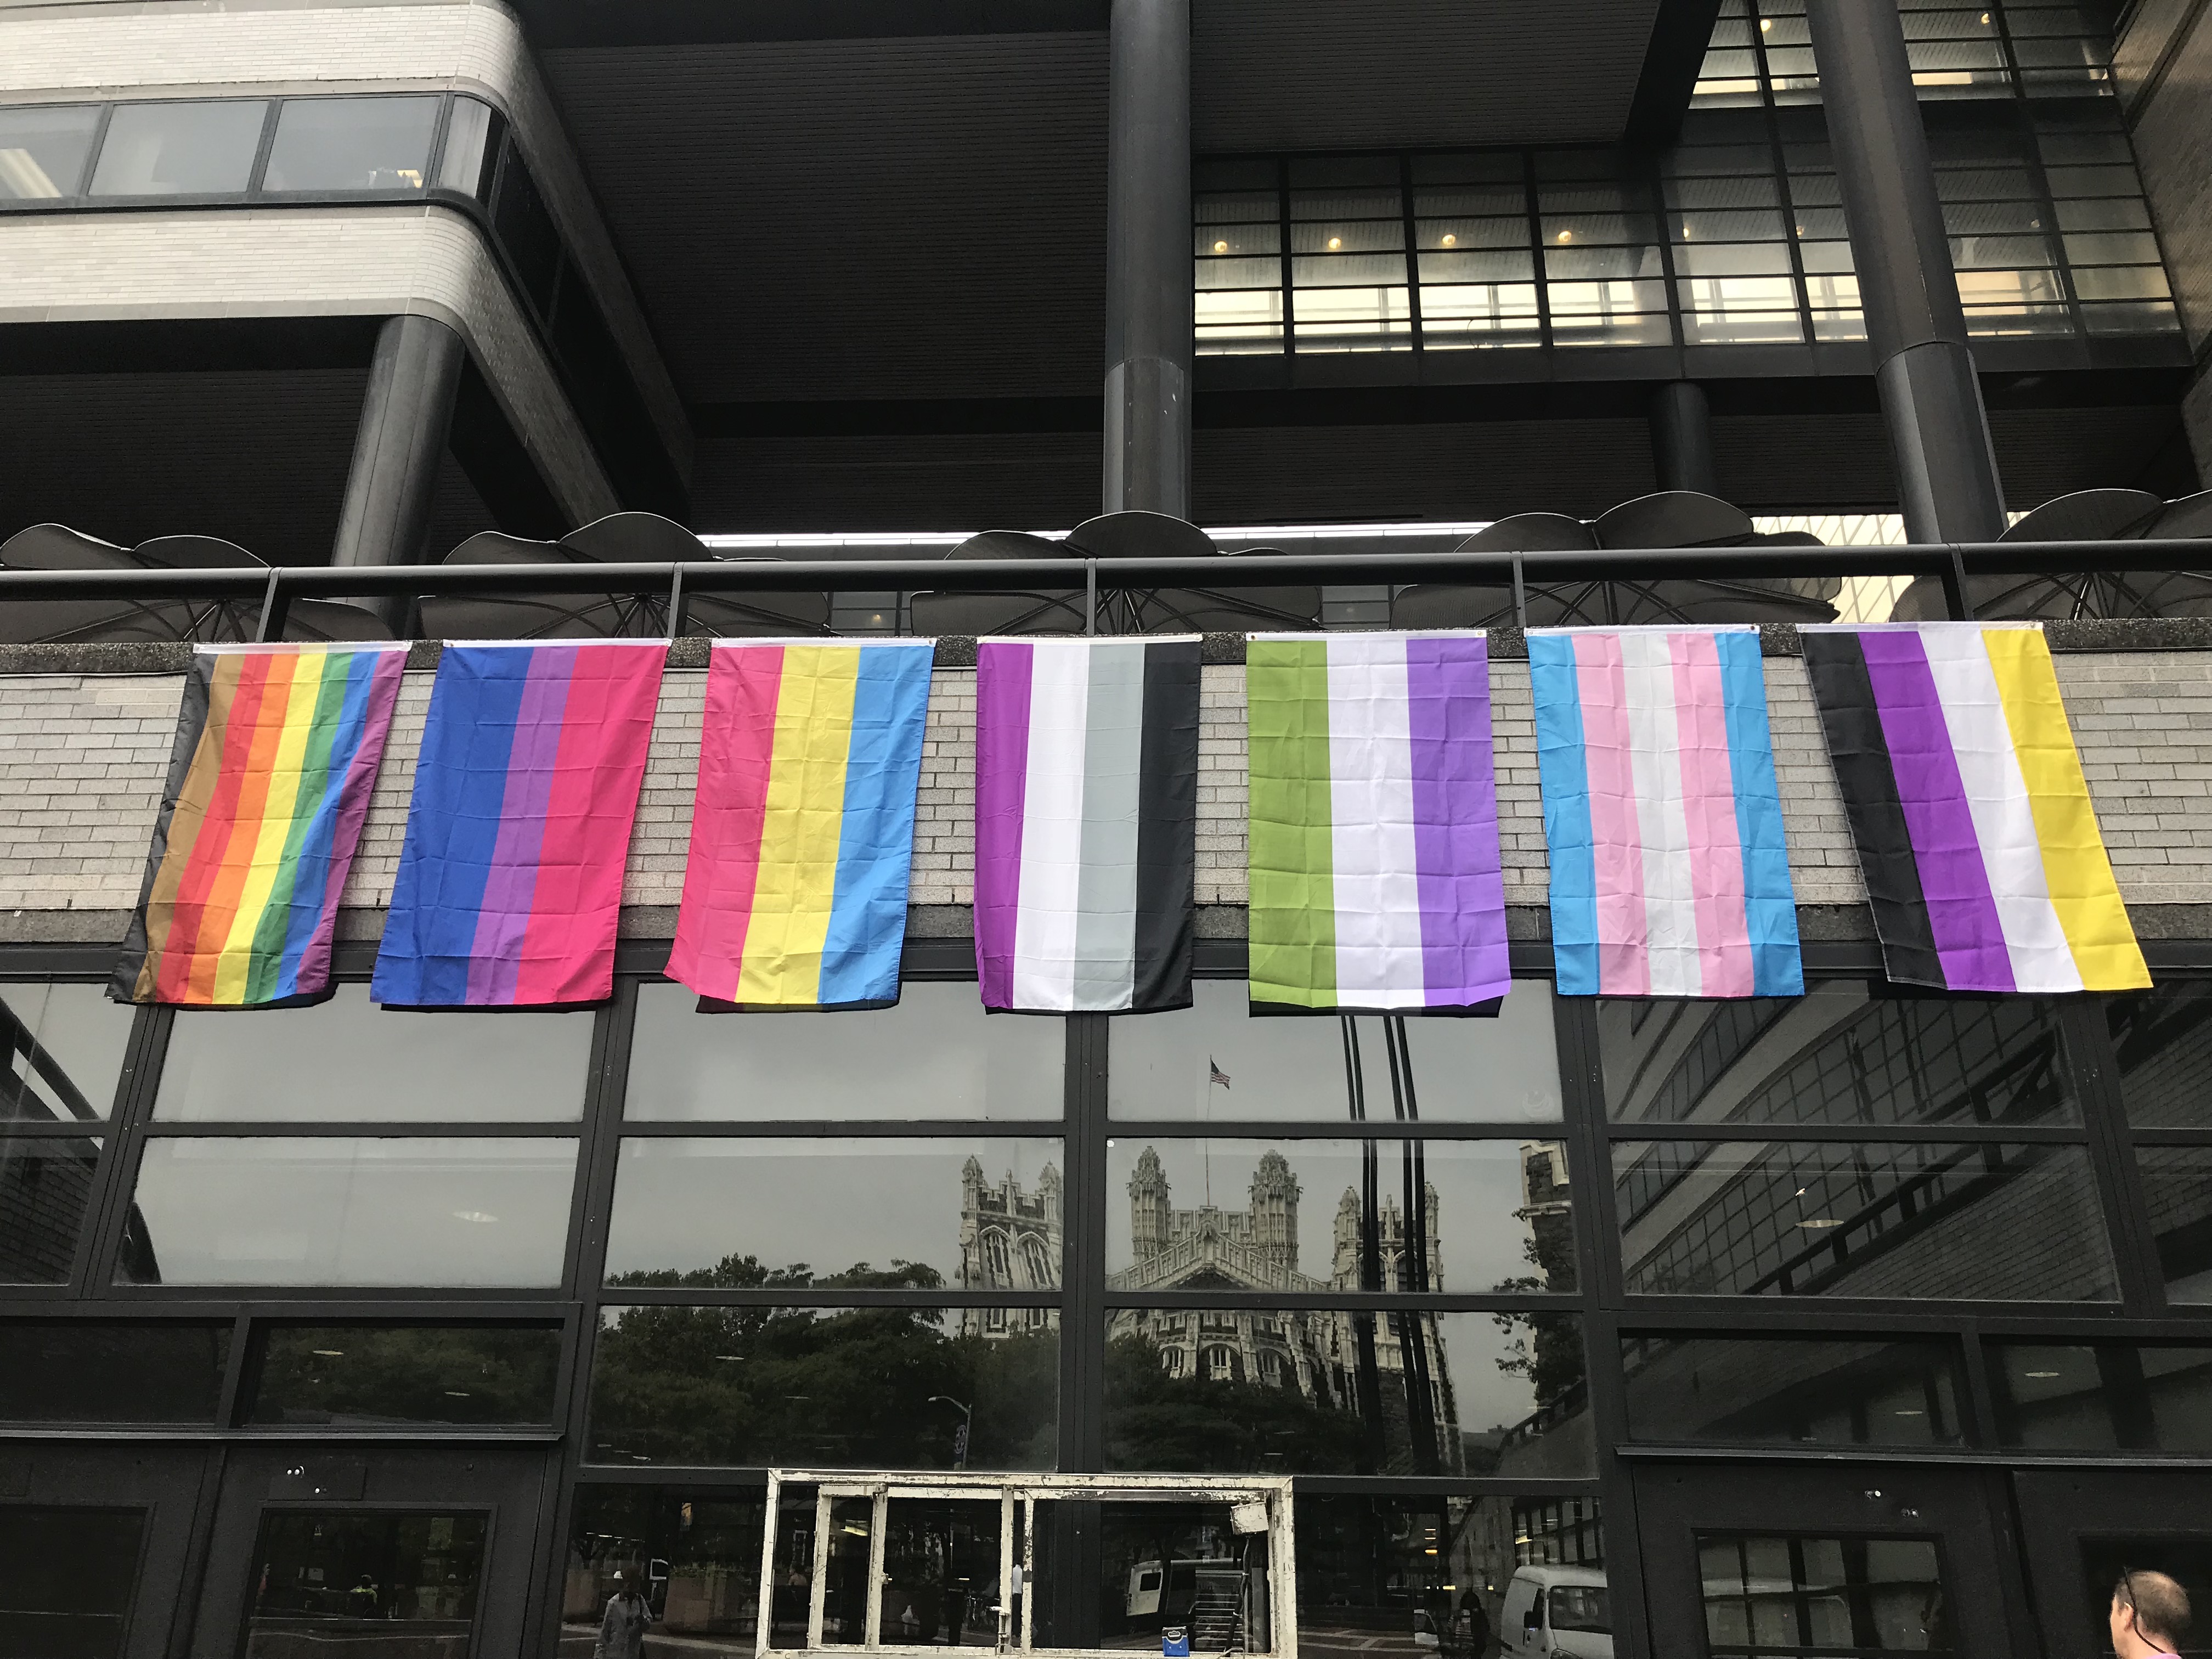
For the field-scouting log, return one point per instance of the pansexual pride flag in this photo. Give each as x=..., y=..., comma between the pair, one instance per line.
x=1086, y=823
x=1669, y=877
x=1373, y=818
x=510, y=878
x=278, y=749
x=802, y=829
x=1965, y=794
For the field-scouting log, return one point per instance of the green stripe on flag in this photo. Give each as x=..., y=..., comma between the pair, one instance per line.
x=1293, y=897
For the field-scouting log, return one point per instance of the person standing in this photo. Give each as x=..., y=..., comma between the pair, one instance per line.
x=629, y=1613
x=2149, y=1617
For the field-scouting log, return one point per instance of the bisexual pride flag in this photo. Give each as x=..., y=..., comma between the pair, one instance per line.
x=277, y=752
x=1965, y=793
x=510, y=878
x=1087, y=823
x=802, y=829
x=1373, y=823
x=1669, y=877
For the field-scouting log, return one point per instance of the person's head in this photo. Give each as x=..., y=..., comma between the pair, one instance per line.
x=634, y=1586
x=2150, y=1614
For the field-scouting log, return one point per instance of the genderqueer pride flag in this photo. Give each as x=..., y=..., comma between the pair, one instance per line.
x=1669, y=875
x=802, y=828
x=1975, y=834
x=277, y=751
x=1086, y=823
x=1376, y=884
x=510, y=878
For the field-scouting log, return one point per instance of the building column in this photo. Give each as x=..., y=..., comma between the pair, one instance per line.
x=1148, y=260
x=1682, y=438
x=1946, y=473
x=406, y=417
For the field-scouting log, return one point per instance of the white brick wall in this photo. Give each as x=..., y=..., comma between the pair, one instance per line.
x=82, y=757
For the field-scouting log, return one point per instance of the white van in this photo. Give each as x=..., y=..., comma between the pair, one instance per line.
x=1555, y=1613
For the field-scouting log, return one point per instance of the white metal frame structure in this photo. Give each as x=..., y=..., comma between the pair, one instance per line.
x=1261, y=1503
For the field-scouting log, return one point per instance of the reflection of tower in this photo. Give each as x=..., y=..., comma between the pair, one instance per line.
x=1391, y=1238
x=1010, y=1240
x=1547, y=1205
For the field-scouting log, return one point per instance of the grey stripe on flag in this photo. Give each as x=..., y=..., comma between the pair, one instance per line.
x=1106, y=892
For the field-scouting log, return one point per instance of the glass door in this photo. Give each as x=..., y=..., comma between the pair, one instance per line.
x=92, y=1546
x=2083, y=1531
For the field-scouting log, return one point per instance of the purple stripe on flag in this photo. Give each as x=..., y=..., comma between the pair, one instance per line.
x=1461, y=888
x=1003, y=672
x=511, y=887
x=1962, y=914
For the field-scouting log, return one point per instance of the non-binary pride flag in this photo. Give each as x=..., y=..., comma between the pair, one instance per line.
x=1669, y=877
x=1965, y=794
x=277, y=750
x=1373, y=819
x=802, y=831
x=510, y=878
x=1087, y=823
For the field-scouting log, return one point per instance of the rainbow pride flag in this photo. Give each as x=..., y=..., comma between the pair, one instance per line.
x=802, y=831
x=278, y=749
x=510, y=878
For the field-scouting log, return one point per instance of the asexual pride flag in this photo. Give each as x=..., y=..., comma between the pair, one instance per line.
x=1087, y=823
x=1669, y=875
x=277, y=752
x=510, y=878
x=1979, y=845
x=1373, y=818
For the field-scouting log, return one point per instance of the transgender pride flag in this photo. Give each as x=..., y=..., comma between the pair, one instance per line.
x=1669, y=877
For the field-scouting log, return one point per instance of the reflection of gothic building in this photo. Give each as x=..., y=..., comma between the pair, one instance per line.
x=1009, y=1241
x=1324, y=1355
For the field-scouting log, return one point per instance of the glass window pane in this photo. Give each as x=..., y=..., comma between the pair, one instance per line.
x=1794, y=1594
x=351, y=143
x=71, y=1575
x=830, y=1388
x=1402, y=1578
x=79, y=1371
x=348, y=1581
x=1860, y=1218
x=348, y=1061
x=45, y=1186
x=1449, y=1215
x=367, y=1376
x=472, y=135
x=935, y=1056
x=525, y=227
x=978, y=1214
x=699, y=1554
x=1211, y=1062
x=2104, y=1397
x=1300, y=1391
x=2178, y=1194
x=1841, y=1055
x=1804, y=1391
x=43, y=151
x=66, y=1045
x=428, y=1211
x=2163, y=1038
x=180, y=149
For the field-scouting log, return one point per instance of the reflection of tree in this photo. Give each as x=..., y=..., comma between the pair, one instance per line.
x=1547, y=1348
x=408, y=1375
x=1157, y=1421
x=847, y=1387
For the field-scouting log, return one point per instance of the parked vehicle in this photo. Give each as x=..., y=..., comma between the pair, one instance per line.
x=1556, y=1612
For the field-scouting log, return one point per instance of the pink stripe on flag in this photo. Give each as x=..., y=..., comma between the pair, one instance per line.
x=1708, y=806
x=1624, y=959
x=737, y=751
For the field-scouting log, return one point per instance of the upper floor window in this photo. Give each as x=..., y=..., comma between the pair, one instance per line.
x=340, y=144
x=184, y=149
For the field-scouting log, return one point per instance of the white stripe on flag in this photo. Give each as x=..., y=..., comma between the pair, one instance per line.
x=1052, y=827
x=1670, y=910
x=1996, y=798
x=1371, y=766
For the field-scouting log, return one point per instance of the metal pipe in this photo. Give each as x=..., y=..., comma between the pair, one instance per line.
x=1682, y=438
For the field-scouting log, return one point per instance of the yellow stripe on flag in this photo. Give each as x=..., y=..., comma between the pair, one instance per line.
x=803, y=825
x=2075, y=863
x=301, y=697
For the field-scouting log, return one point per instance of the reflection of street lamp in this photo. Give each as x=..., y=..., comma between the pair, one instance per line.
x=967, y=1425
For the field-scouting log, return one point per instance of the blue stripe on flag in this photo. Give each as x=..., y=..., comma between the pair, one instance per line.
x=453, y=826
x=1769, y=904
x=1563, y=771
x=310, y=884
x=875, y=844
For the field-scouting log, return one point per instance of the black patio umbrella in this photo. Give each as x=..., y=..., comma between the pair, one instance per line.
x=2086, y=515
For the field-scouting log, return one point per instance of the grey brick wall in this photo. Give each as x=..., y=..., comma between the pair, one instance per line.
x=82, y=756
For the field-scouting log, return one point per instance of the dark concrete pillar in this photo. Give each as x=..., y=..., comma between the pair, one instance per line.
x=1148, y=260
x=1682, y=438
x=1946, y=472
x=405, y=418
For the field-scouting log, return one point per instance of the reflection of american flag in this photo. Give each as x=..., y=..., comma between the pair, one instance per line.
x=1215, y=1074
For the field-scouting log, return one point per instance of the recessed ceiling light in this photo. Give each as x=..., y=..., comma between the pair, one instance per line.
x=1566, y=236
x=1451, y=241
x=457, y=1394
x=2044, y=1374
x=1221, y=247
x=330, y=1353
x=1767, y=23
x=1335, y=242
x=478, y=1216
x=1821, y=1221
